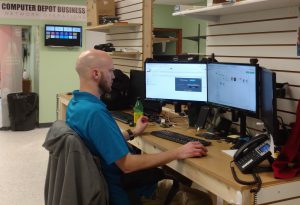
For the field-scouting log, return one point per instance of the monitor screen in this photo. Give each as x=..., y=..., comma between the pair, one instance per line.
x=137, y=89
x=176, y=81
x=61, y=35
x=233, y=85
x=268, y=102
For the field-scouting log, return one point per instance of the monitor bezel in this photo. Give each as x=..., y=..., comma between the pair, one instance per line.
x=247, y=112
x=163, y=100
x=275, y=130
x=63, y=45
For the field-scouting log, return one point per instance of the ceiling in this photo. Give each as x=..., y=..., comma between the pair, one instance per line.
x=182, y=2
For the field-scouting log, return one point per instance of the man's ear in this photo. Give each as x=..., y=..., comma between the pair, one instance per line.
x=96, y=74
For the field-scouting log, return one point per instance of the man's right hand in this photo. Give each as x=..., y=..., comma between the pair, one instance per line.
x=191, y=149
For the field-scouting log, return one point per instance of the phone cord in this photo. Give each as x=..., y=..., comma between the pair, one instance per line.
x=257, y=182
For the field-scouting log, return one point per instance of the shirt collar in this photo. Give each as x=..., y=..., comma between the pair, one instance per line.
x=77, y=94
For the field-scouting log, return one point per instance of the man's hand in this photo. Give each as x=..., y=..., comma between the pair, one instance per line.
x=191, y=149
x=141, y=125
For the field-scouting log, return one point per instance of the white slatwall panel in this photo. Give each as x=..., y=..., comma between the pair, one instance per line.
x=126, y=3
x=253, y=39
x=130, y=35
x=265, y=51
x=132, y=15
x=121, y=62
x=264, y=26
x=268, y=35
x=122, y=8
x=260, y=15
x=286, y=105
x=130, y=11
x=128, y=43
x=293, y=92
x=274, y=64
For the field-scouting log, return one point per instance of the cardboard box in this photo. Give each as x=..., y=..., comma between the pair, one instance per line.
x=96, y=8
x=106, y=7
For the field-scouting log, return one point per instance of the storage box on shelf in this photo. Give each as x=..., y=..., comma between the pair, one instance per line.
x=98, y=8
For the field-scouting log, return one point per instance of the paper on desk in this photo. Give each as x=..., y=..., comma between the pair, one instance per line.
x=230, y=152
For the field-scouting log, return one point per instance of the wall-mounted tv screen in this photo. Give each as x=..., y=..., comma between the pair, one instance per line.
x=62, y=35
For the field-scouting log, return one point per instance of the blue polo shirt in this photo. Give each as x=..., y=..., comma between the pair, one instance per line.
x=88, y=116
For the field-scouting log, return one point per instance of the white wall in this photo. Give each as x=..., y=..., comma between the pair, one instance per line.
x=94, y=38
x=270, y=36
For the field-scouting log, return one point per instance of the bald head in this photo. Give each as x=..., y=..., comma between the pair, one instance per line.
x=95, y=70
x=91, y=59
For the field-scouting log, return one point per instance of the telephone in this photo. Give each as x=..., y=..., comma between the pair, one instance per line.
x=248, y=157
x=252, y=153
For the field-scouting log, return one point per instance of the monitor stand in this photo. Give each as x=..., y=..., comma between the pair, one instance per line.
x=243, y=132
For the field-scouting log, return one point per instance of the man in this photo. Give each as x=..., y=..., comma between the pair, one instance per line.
x=88, y=116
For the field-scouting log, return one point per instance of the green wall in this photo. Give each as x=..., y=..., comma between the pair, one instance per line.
x=56, y=68
x=162, y=18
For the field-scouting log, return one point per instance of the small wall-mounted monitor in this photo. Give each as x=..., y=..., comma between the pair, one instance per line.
x=63, y=36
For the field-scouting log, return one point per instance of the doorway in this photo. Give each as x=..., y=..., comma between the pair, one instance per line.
x=14, y=55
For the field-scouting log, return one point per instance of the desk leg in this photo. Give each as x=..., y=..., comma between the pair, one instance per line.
x=213, y=197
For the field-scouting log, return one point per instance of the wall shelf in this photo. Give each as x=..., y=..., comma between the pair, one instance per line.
x=164, y=40
x=107, y=27
x=125, y=54
x=213, y=13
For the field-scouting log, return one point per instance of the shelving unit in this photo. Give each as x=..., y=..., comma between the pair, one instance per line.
x=167, y=35
x=119, y=25
x=125, y=54
x=196, y=38
x=107, y=27
x=213, y=13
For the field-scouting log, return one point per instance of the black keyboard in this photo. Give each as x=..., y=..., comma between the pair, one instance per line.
x=122, y=116
x=177, y=137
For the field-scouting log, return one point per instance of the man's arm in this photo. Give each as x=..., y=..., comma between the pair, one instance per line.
x=131, y=163
x=139, y=128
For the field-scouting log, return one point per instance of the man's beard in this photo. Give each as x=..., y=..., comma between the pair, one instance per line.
x=103, y=87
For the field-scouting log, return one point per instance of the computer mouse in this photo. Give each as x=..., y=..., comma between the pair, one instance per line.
x=131, y=124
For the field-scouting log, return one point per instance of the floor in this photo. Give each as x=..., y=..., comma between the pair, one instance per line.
x=23, y=164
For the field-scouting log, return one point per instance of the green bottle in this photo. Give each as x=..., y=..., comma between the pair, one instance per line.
x=137, y=110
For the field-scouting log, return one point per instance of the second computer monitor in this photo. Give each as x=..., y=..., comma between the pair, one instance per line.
x=233, y=85
x=176, y=81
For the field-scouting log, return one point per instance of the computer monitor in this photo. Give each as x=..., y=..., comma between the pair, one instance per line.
x=137, y=90
x=233, y=85
x=180, y=57
x=268, y=108
x=176, y=81
x=137, y=85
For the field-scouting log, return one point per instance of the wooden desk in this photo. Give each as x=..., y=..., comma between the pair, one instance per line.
x=213, y=172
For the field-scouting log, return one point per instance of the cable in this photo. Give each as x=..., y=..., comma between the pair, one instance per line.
x=256, y=182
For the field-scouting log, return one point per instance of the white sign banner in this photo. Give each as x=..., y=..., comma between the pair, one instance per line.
x=20, y=10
